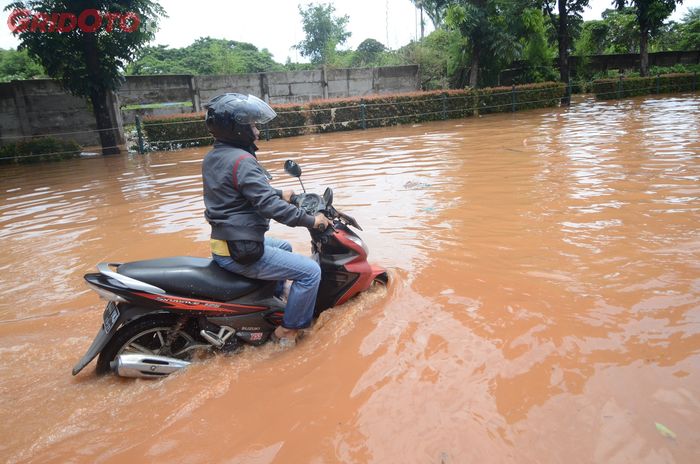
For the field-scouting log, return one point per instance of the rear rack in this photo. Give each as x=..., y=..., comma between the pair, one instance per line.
x=104, y=269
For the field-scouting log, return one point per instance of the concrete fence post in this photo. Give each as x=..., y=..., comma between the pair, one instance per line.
x=513, y=98
x=657, y=84
x=139, y=135
x=264, y=88
x=619, y=87
x=115, y=115
x=444, y=106
x=194, y=95
x=22, y=117
x=362, y=114
x=324, y=81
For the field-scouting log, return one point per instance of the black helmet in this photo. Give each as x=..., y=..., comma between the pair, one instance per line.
x=229, y=117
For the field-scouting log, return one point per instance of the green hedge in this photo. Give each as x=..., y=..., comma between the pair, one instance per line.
x=520, y=97
x=356, y=113
x=608, y=89
x=386, y=110
x=39, y=149
x=176, y=131
x=290, y=121
x=188, y=130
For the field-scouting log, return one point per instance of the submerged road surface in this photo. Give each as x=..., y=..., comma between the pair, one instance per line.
x=544, y=303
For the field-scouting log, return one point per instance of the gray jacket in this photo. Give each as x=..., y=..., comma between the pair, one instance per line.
x=239, y=199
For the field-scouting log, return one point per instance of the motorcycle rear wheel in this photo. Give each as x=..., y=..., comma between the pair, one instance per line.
x=148, y=335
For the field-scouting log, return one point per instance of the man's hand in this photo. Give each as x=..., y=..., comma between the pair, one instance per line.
x=287, y=195
x=321, y=219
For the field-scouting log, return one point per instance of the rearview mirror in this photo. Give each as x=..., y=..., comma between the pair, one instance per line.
x=328, y=196
x=292, y=168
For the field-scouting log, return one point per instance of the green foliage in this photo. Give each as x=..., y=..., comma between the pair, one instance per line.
x=608, y=89
x=176, y=131
x=16, y=65
x=440, y=57
x=368, y=53
x=525, y=97
x=291, y=66
x=675, y=69
x=593, y=38
x=324, y=32
x=204, y=56
x=650, y=13
x=489, y=38
x=179, y=131
x=536, y=50
x=689, y=30
x=88, y=63
x=566, y=24
x=667, y=38
x=39, y=149
x=435, y=9
x=617, y=32
x=650, y=17
x=386, y=110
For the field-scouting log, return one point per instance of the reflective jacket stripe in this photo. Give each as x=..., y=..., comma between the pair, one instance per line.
x=235, y=168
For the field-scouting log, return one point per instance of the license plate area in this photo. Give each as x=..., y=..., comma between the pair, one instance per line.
x=110, y=316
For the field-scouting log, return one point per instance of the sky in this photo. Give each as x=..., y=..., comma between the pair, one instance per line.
x=276, y=24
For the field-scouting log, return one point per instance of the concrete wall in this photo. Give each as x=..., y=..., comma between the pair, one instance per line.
x=9, y=122
x=40, y=107
x=210, y=86
x=304, y=86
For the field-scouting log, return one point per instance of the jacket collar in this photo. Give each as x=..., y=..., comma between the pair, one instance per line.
x=252, y=148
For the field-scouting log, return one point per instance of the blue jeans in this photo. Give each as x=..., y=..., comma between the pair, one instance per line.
x=279, y=263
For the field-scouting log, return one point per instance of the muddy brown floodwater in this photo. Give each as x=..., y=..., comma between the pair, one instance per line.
x=544, y=303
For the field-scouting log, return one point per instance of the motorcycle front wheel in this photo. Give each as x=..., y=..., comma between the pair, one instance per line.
x=155, y=335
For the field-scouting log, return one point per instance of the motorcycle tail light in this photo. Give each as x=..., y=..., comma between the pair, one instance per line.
x=106, y=294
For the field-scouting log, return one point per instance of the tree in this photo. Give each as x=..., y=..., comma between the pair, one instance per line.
x=689, y=30
x=435, y=9
x=650, y=17
x=536, y=51
x=369, y=52
x=440, y=57
x=88, y=50
x=18, y=65
x=623, y=32
x=204, y=56
x=486, y=31
x=616, y=32
x=324, y=32
x=568, y=12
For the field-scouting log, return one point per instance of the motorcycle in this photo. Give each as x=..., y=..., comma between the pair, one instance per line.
x=161, y=312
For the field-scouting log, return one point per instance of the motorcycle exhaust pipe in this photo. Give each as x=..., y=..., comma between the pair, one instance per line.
x=146, y=366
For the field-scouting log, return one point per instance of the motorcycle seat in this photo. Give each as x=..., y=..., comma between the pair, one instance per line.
x=191, y=277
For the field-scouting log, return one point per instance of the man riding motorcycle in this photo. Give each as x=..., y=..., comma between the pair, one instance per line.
x=240, y=202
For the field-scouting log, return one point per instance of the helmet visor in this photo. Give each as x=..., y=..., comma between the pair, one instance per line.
x=253, y=111
x=244, y=109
